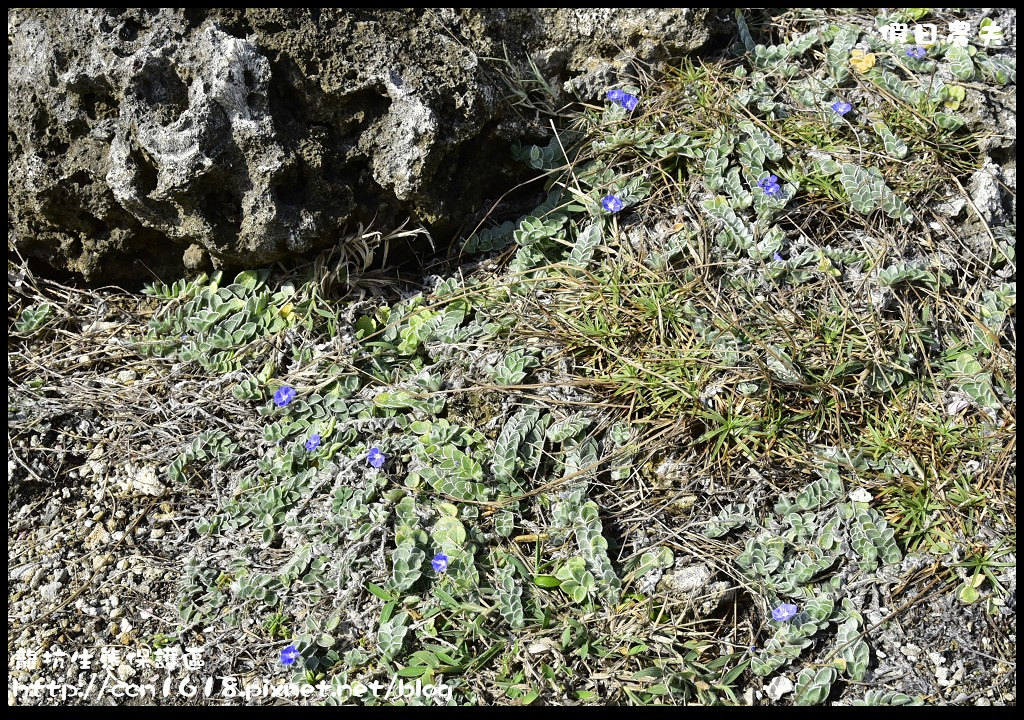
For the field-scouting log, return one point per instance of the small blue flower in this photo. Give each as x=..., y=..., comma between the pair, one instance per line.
x=289, y=655
x=916, y=51
x=776, y=257
x=376, y=457
x=313, y=442
x=611, y=203
x=284, y=395
x=629, y=101
x=770, y=185
x=841, y=107
x=440, y=562
x=624, y=99
x=784, y=612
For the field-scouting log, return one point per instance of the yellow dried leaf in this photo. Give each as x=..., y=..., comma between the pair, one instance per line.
x=861, y=61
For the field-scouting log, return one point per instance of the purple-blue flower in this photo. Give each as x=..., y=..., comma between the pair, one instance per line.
x=916, y=51
x=313, y=442
x=841, y=107
x=770, y=185
x=284, y=395
x=440, y=562
x=289, y=655
x=784, y=612
x=629, y=101
x=376, y=457
x=776, y=257
x=611, y=203
x=623, y=98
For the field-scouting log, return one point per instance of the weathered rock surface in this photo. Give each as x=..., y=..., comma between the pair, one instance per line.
x=146, y=140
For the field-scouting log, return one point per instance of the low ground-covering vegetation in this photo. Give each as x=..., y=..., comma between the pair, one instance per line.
x=729, y=417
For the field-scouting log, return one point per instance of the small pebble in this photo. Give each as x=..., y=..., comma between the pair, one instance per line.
x=49, y=591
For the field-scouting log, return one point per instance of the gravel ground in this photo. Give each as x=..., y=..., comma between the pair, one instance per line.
x=95, y=557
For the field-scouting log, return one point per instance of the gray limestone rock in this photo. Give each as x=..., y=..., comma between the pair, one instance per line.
x=146, y=141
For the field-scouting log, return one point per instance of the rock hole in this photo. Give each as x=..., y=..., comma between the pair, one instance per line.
x=97, y=103
x=129, y=31
x=292, y=190
x=145, y=173
x=193, y=16
x=272, y=28
x=221, y=207
x=81, y=178
x=161, y=87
